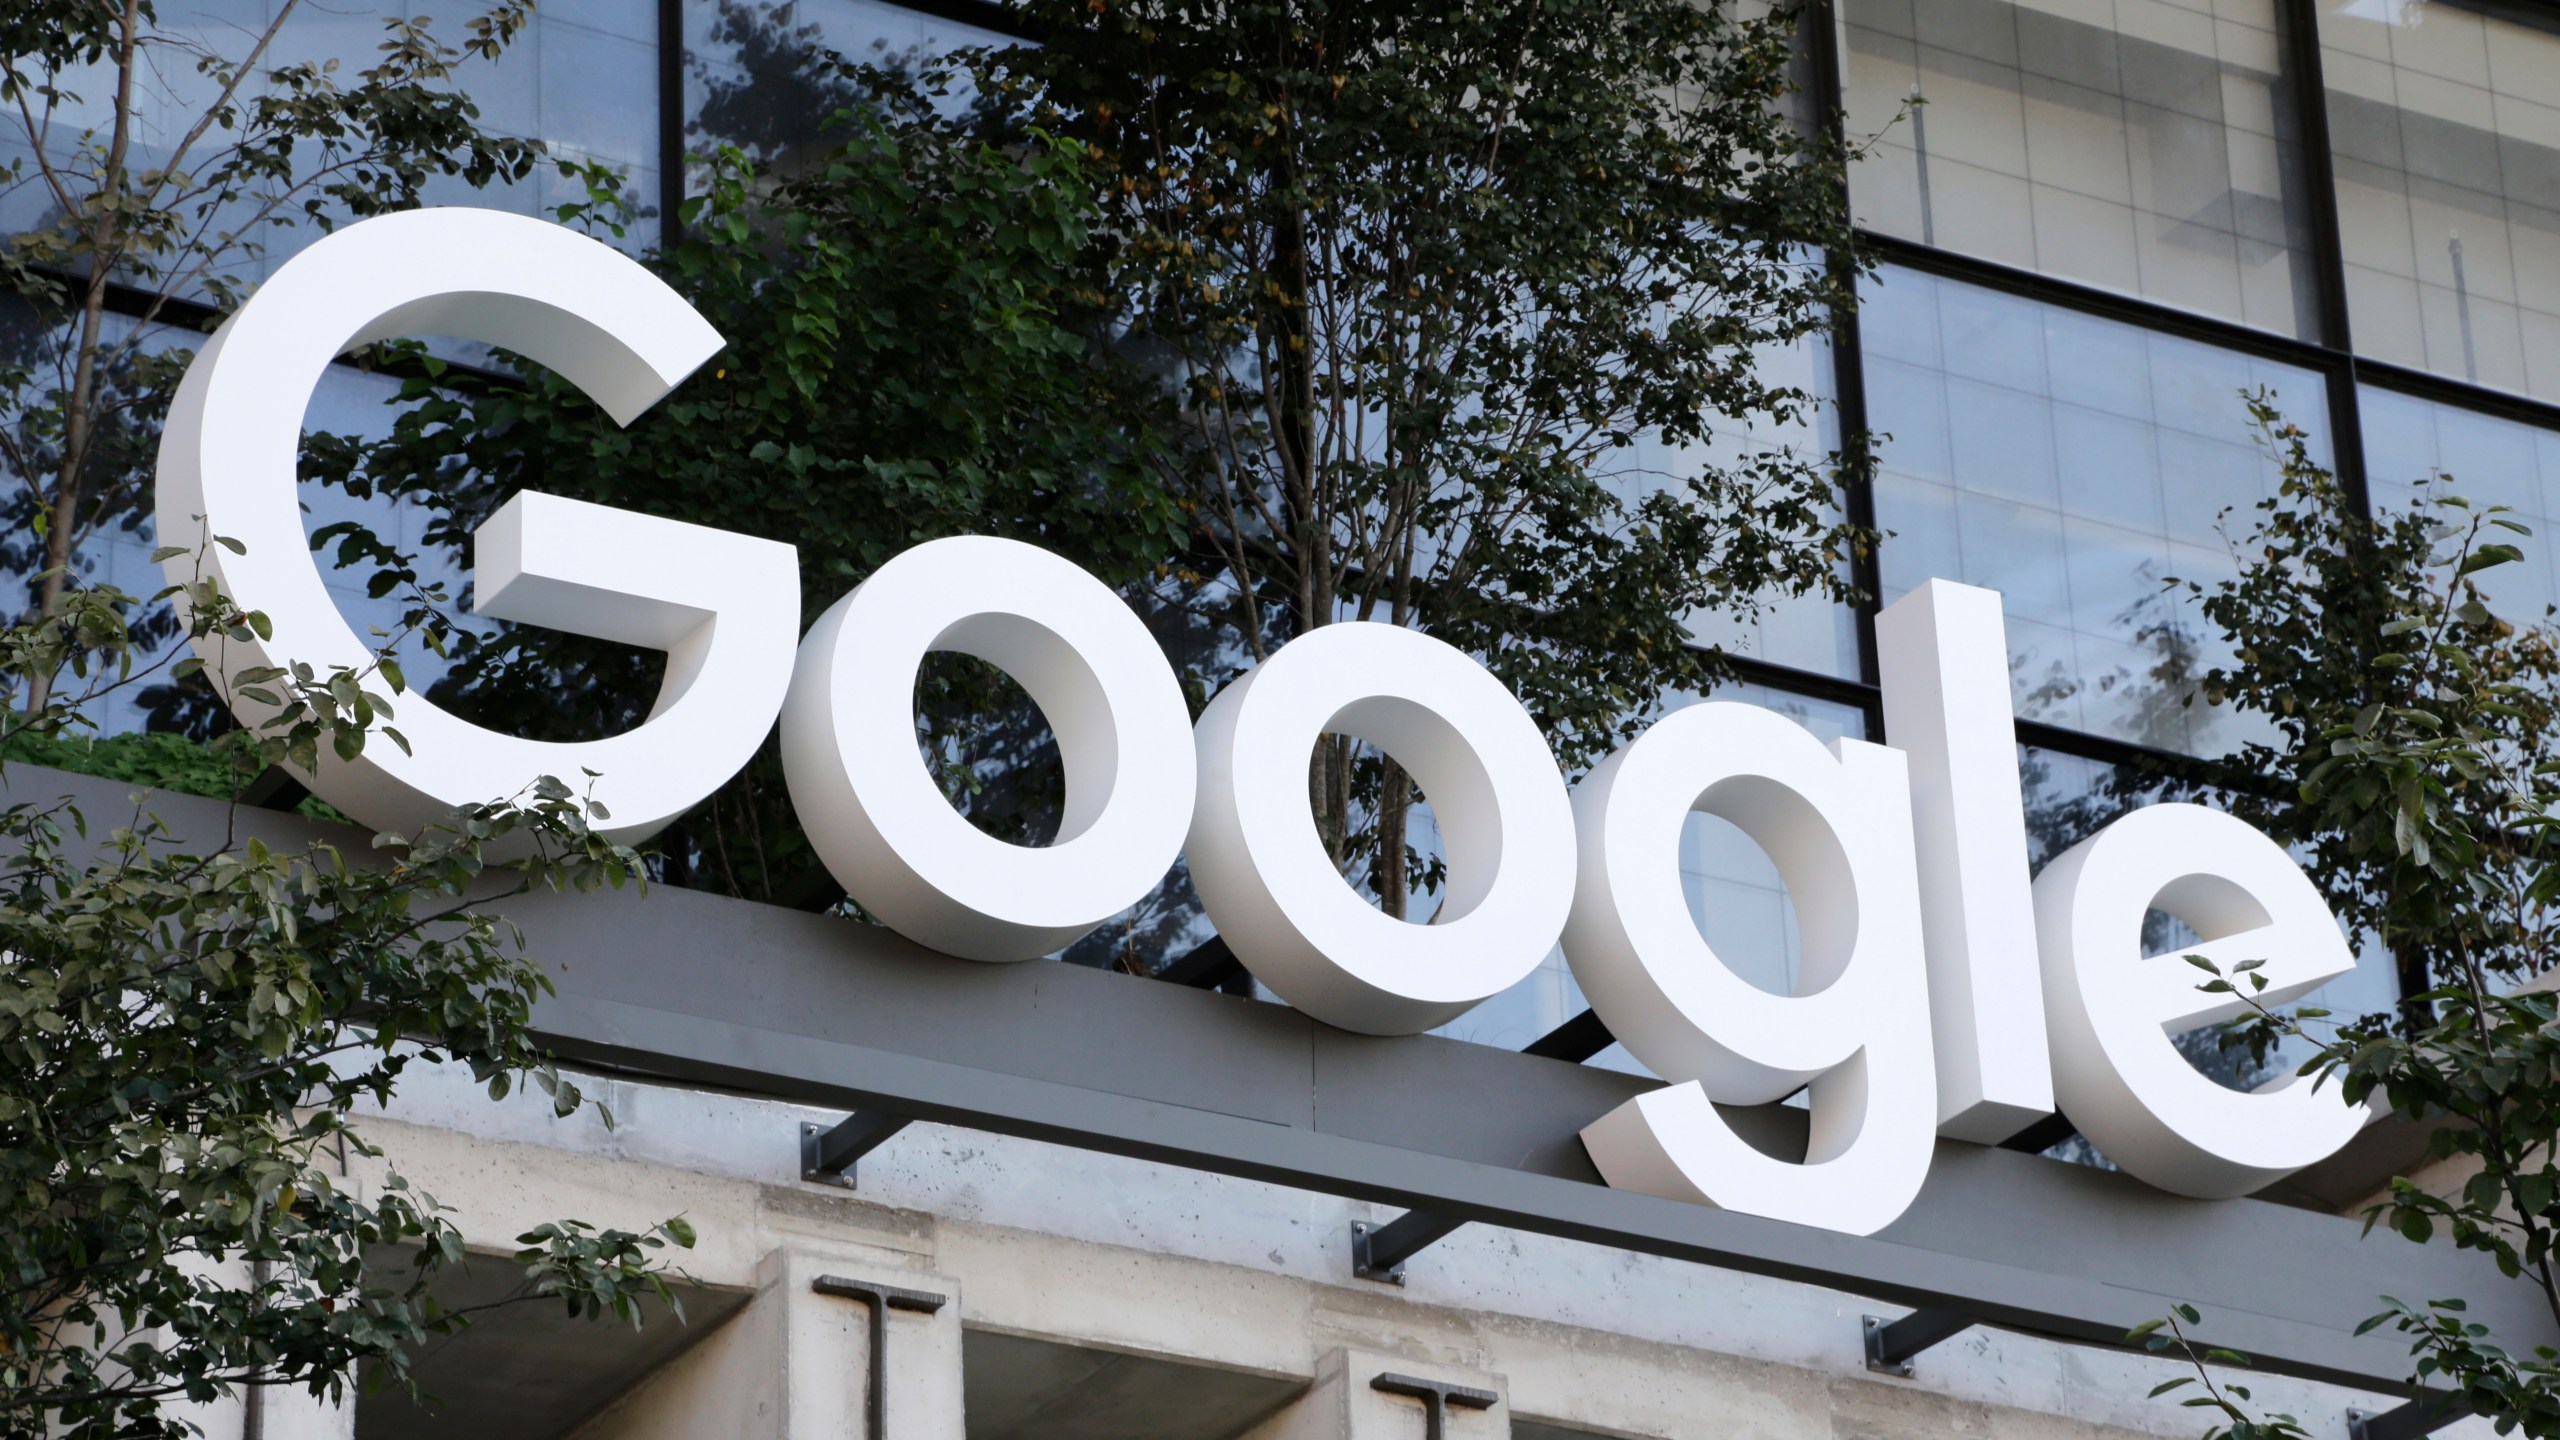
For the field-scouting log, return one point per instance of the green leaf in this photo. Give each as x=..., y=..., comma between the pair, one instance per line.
x=2487, y=556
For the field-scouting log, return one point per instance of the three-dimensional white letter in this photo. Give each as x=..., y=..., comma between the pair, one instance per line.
x=1837, y=822
x=1945, y=666
x=2113, y=1010
x=875, y=812
x=1271, y=887
x=724, y=606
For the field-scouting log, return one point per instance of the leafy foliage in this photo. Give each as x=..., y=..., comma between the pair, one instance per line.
x=160, y=165
x=2413, y=769
x=2230, y=1402
x=1455, y=297
x=914, y=310
x=187, y=1026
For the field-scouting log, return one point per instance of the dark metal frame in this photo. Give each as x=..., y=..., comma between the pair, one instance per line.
x=1436, y=1397
x=1892, y=1344
x=2420, y=1417
x=828, y=1154
x=1378, y=1252
x=879, y=1300
x=822, y=1010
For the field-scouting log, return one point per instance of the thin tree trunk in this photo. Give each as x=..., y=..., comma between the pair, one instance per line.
x=79, y=427
x=1395, y=808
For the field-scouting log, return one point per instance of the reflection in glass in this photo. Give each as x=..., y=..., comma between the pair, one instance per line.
x=349, y=402
x=2487, y=461
x=761, y=74
x=2076, y=465
x=580, y=76
x=1804, y=632
x=2446, y=126
x=2132, y=144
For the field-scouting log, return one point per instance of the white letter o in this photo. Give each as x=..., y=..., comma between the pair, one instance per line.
x=874, y=811
x=1271, y=888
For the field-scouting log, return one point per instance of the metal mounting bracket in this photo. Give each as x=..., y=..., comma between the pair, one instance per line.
x=1378, y=1252
x=1891, y=1344
x=275, y=788
x=2423, y=1415
x=1436, y=1397
x=828, y=1153
x=1577, y=1039
x=881, y=1299
x=1209, y=966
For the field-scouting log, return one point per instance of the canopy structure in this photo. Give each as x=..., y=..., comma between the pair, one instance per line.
x=697, y=989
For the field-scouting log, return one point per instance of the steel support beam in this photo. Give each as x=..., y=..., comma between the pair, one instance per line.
x=820, y=1010
x=1891, y=1344
x=827, y=1154
x=2422, y=1416
x=1378, y=1252
x=1577, y=1039
x=1209, y=966
x=274, y=788
x=2043, y=1135
x=1436, y=1397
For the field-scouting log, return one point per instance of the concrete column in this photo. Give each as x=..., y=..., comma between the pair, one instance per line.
x=301, y=1415
x=274, y=1412
x=796, y=1365
x=1343, y=1404
x=280, y=1412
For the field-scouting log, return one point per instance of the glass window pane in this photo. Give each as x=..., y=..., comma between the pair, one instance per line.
x=2446, y=127
x=2485, y=460
x=1804, y=632
x=756, y=73
x=2132, y=144
x=2076, y=465
x=581, y=76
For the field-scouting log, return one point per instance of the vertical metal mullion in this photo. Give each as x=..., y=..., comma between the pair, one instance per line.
x=1821, y=30
x=670, y=119
x=2298, y=22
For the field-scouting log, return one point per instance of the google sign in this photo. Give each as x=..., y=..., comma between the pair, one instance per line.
x=1942, y=992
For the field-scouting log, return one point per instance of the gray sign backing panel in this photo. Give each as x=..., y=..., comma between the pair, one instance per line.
x=819, y=1010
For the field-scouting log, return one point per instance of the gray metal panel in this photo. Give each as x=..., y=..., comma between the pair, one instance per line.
x=1486, y=1134
x=706, y=990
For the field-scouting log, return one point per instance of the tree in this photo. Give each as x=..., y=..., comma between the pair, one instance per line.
x=2413, y=770
x=136, y=234
x=183, y=1029
x=186, y=1031
x=1425, y=277
x=915, y=309
x=1515, y=290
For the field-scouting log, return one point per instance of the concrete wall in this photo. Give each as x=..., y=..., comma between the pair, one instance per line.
x=1229, y=1276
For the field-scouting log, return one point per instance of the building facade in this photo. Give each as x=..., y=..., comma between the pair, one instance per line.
x=2100, y=223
